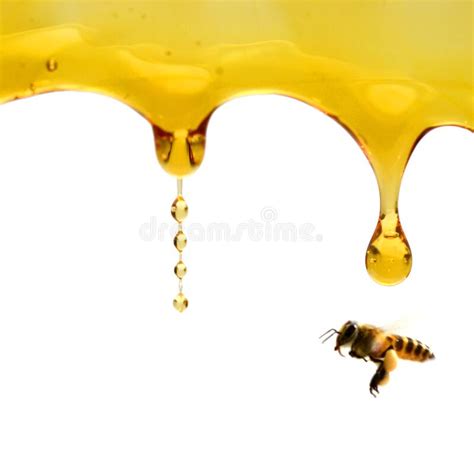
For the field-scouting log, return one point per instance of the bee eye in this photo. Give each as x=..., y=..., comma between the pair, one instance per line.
x=349, y=331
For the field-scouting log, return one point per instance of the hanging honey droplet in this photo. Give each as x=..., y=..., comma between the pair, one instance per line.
x=181, y=152
x=180, y=241
x=179, y=209
x=180, y=302
x=180, y=269
x=388, y=259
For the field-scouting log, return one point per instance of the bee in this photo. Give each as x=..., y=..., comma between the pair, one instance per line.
x=379, y=346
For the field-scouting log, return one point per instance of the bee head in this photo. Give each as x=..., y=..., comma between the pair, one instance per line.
x=346, y=335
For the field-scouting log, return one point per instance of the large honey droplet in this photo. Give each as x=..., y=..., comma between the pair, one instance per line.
x=388, y=259
x=180, y=152
x=180, y=302
x=179, y=209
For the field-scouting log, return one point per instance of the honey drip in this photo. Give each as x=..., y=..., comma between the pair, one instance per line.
x=179, y=211
x=388, y=71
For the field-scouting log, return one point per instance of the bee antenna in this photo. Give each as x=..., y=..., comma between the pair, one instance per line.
x=331, y=332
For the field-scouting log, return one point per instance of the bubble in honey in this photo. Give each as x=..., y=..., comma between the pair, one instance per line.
x=51, y=65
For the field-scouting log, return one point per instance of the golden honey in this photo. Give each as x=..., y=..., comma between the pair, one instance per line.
x=180, y=269
x=180, y=241
x=180, y=302
x=387, y=70
x=179, y=209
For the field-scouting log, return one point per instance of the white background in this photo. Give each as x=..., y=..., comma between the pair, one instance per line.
x=96, y=364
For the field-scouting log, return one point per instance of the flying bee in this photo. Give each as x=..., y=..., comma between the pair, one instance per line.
x=381, y=347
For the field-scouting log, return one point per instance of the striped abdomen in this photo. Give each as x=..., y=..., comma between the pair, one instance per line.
x=407, y=348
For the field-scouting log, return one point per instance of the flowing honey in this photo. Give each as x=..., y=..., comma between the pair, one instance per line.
x=387, y=70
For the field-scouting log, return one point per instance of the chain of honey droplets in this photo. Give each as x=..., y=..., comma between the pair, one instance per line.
x=179, y=211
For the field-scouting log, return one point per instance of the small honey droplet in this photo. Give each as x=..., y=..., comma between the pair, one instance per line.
x=179, y=209
x=51, y=65
x=180, y=241
x=180, y=302
x=180, y=269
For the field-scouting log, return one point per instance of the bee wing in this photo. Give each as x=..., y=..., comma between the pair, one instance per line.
x=404, y=323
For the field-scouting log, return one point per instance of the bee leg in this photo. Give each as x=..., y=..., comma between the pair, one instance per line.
x=390, y=360
x=388, y=349
x=353, y=354
x=386, y=364
x=379, y=375
x=381, y=359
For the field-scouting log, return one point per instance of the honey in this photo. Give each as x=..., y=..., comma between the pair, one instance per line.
x=388, y=71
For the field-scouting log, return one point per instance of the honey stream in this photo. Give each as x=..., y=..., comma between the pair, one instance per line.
x=387, y=70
